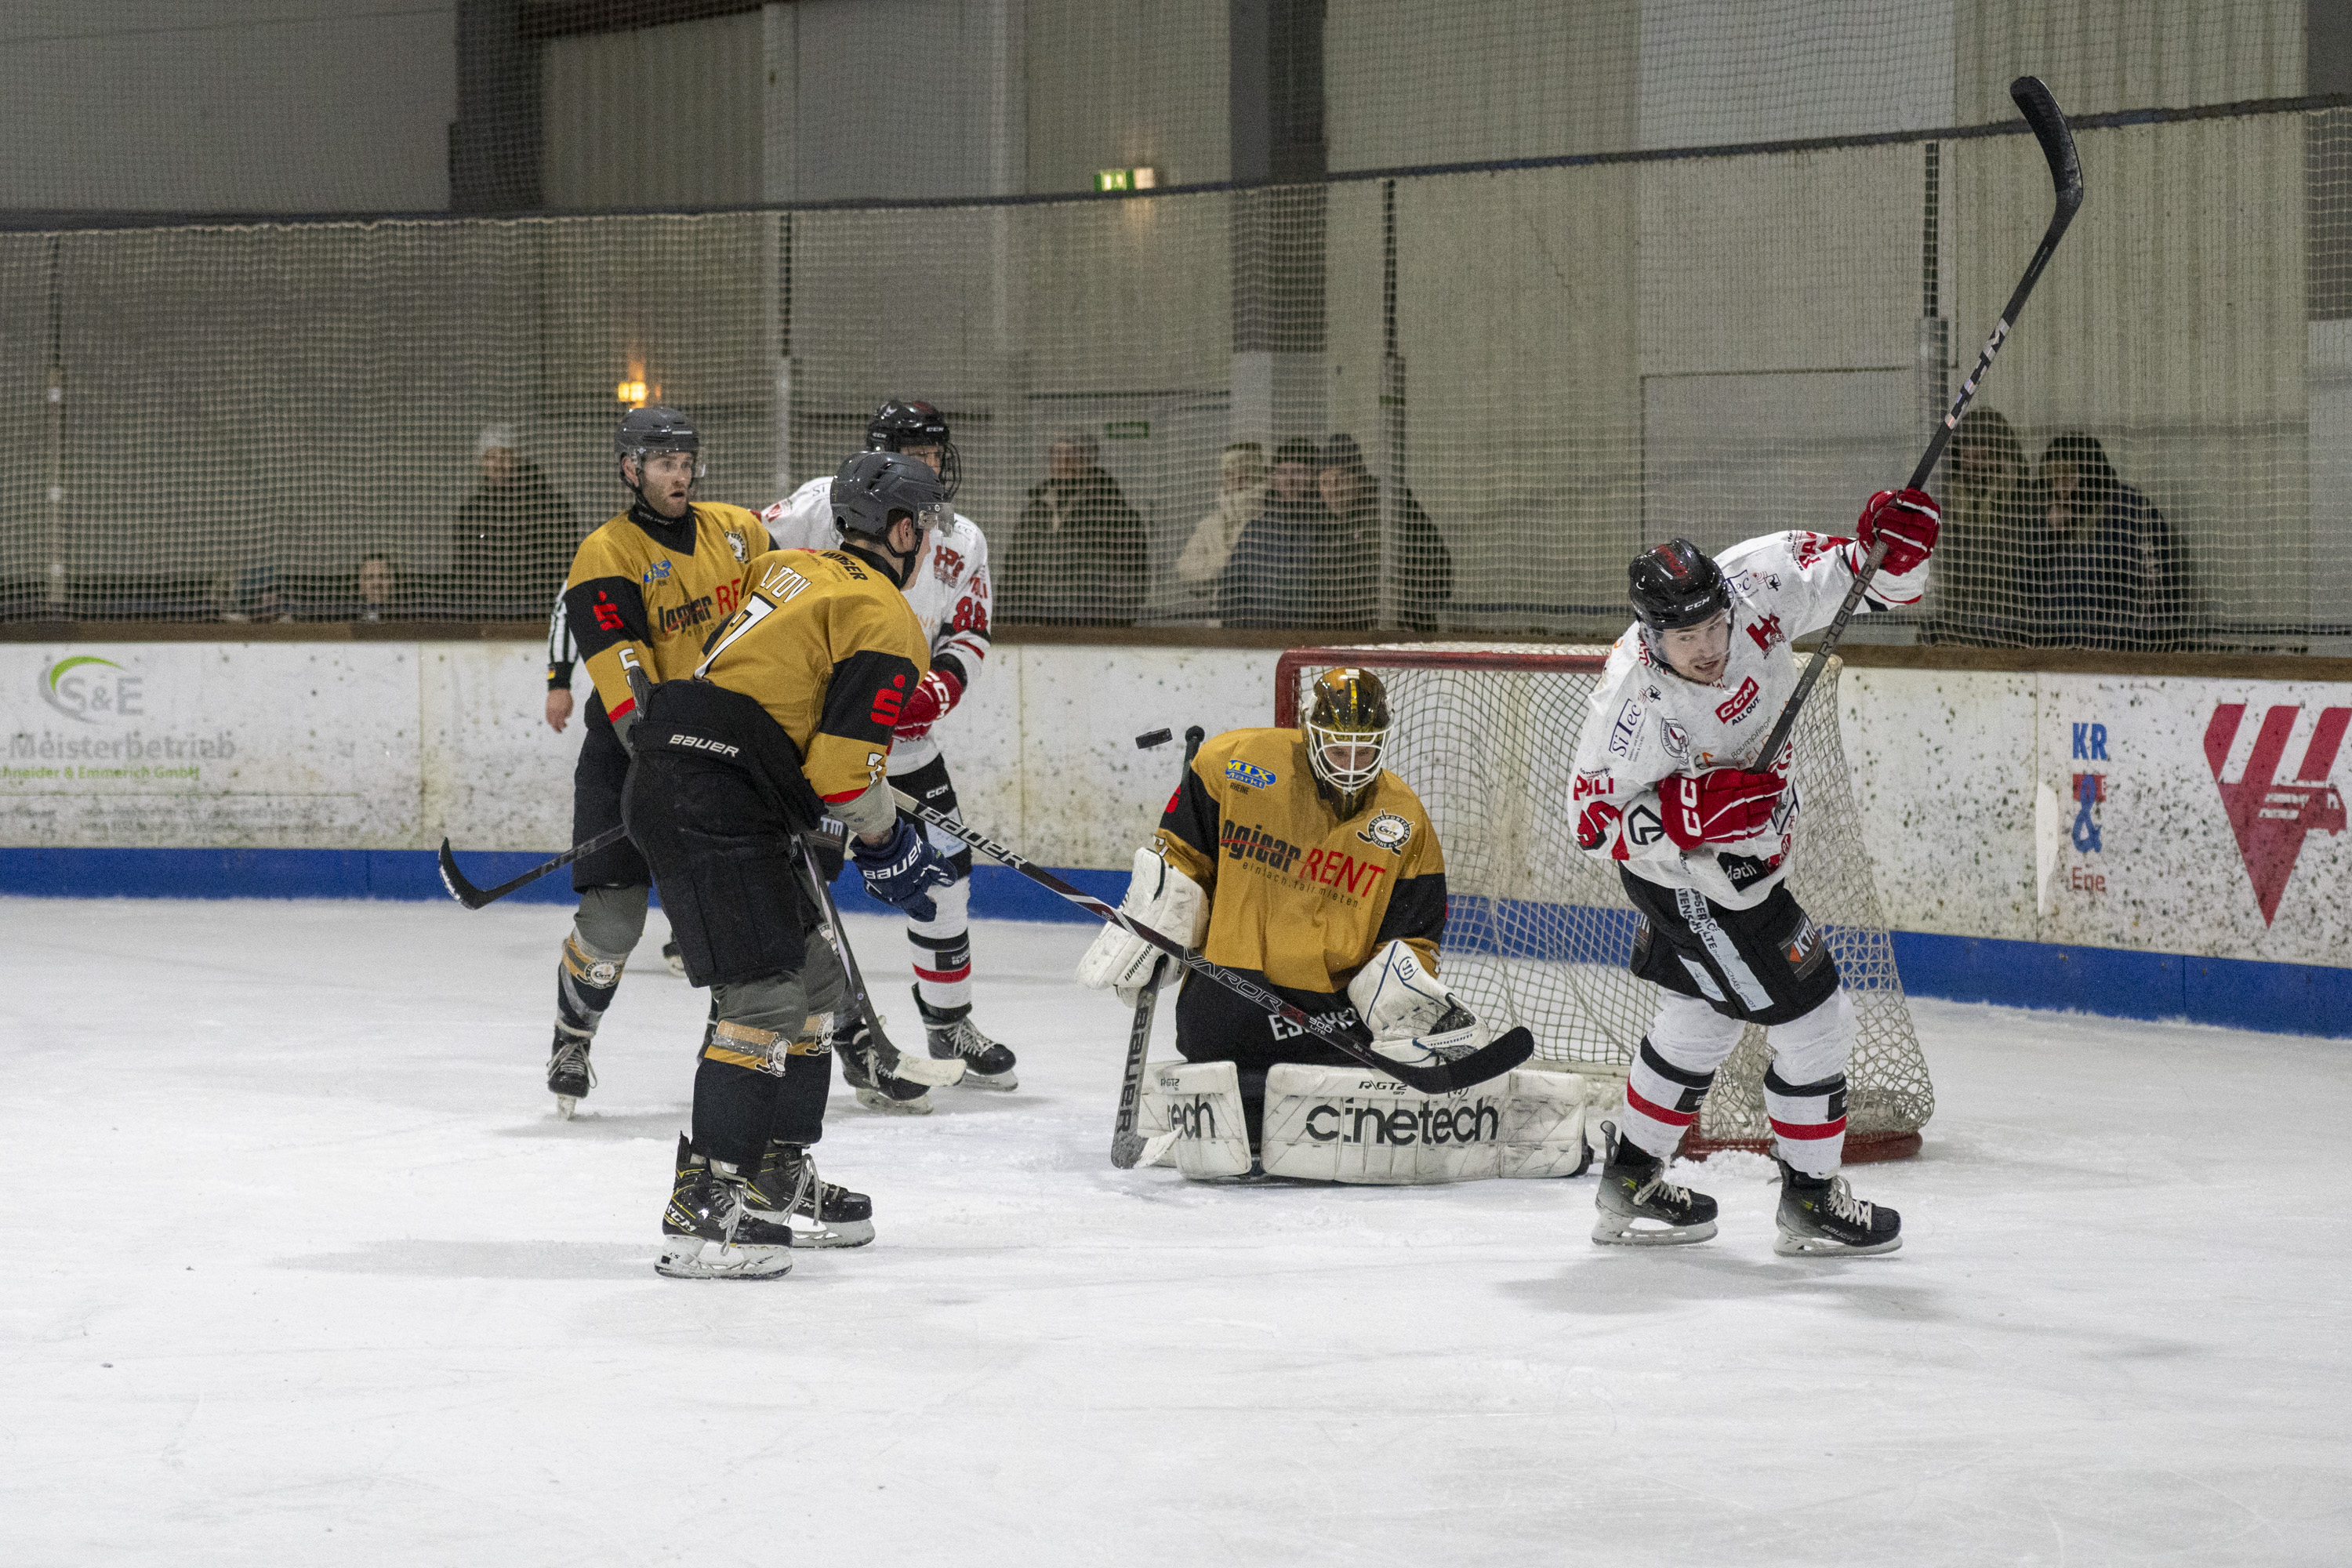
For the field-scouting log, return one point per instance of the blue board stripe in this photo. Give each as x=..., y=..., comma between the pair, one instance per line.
x=2243, y=994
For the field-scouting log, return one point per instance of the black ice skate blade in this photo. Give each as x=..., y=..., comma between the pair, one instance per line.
x=1609, y=1232
x=1790, y=1244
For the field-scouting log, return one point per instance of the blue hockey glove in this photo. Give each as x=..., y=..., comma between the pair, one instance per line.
x=900, y=867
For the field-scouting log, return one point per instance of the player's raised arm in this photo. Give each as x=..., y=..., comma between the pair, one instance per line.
x=1802, y=577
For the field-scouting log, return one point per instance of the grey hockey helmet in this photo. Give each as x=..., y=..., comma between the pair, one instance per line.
x=874, y=490
x=658, y=428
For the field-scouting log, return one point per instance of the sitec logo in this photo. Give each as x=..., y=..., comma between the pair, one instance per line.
x=89, y=689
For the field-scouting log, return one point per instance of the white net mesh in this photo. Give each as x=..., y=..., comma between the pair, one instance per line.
x=1538, y=934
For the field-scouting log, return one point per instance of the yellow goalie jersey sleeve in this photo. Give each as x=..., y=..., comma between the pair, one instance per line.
x=653, y=596
x=1295, y=892
x=830, y=648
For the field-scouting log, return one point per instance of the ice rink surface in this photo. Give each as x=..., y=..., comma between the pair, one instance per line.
x=301, y=1267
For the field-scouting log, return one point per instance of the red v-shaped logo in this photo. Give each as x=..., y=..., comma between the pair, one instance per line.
x=2268, y=814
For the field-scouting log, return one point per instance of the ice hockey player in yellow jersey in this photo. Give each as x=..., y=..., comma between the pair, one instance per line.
x=1294, y=857
x=786, y=719
x=644, y=590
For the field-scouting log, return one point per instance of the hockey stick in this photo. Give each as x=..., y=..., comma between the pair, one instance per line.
x=1338, y=1030
x=1126, y=1147
x=2049, y=127
x=474, y=898
x=888, y=1058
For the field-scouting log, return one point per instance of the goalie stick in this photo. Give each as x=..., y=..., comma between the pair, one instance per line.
x=1127, y=1148
x=1337, y=1030
x=2049, y=126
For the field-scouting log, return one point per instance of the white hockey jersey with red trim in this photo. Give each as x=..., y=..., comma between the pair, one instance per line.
x=1648, y=723
x=949, y=592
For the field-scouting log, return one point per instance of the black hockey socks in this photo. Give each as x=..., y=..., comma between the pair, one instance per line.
x=734, y=1099
x=800, y=1099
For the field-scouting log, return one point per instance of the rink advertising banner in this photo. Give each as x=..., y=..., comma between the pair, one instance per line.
x=218, y=743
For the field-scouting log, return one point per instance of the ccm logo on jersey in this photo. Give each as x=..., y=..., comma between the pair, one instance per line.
x=1737, y=705
x=889, y=700
x=1249, y=774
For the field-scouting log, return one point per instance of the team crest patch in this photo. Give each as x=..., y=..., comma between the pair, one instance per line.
x=1387, y=830
x=742, y=552
x=656, y=573
x=1249, y=774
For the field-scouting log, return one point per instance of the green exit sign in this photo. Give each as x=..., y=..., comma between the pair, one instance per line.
x=1126, y=179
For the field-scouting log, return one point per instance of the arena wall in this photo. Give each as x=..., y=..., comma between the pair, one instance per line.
x=2149, y=846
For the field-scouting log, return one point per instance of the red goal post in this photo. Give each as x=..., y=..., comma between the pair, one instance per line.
x=1537, y=933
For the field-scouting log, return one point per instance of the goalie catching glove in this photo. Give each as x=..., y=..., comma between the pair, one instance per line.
x=1158, y=896
x=1412, y=1017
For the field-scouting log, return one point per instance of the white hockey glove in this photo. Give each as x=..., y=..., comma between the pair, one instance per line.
x=1158, y=896
x=1412, y=1017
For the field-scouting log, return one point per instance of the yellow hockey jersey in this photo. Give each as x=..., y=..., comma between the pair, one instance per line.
x=1297, y=893
x=830, y=648
x=652, y=591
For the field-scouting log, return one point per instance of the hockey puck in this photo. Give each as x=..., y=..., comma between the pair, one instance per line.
x=1144, y=742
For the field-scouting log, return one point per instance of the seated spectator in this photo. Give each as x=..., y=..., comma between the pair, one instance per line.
x=378, y=581
x=2109, y=575
x=254, y=597
x=1289, y=568
x=1980, y=589
x=1241, y=487
x=513, y=539
x=1078, y=554
x=1421, y=566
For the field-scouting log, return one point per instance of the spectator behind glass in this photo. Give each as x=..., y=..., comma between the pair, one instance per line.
x=2109, y=575
x=1422, y=569
x=1077, y=555
x=256, y=598
x=1981, y=587
x=378, y=583
x=1241, y=489
x=1284, y=571
x=511, y=545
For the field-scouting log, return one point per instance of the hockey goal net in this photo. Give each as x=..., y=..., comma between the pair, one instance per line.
x=1537, y=933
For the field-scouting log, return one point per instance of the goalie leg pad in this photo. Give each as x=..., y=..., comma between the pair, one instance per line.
x=1804, y=1089
x=1193, y=1112
x=1344, y=1124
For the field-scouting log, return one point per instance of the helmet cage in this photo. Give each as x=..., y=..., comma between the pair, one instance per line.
x=1346, y=781
x=899, y=424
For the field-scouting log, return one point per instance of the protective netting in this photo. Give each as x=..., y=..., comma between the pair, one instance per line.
x=1538, y=934
x=1321, y=374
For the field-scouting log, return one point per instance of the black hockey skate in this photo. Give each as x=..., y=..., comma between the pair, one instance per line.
x=673, y=958
x=1820, y=1216
x=877, y=1090
x=1634, y=1195
x=570, y=1075
x=709, y=1231
x=789, y=1192
x=987, y=1064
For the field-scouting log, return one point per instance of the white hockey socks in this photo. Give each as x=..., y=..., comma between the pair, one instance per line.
x=1672, y=1071
x=942, y=947
x=1804, y=1089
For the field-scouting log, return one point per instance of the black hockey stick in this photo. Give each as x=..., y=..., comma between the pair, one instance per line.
x=2049, y=127
x=474, y=898
x=1338, y=1030
x=888, y=1058
x=1126, y=1145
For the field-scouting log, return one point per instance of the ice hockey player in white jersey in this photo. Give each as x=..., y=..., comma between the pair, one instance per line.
x=949, y=593
x=1669, y=787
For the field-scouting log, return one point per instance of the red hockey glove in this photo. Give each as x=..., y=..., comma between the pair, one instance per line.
x=1720, y=807
x=933, y=697
x=1908, y=519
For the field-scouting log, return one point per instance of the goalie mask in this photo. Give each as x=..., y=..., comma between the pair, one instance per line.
x=1347, y=734
x=900, y=424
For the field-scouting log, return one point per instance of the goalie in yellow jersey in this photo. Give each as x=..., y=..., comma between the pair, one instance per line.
x=1293, y=857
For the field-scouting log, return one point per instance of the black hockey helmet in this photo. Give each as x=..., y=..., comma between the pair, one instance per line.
x=1675, y=585
x=874, y=490
x=900, y=423
x=658, y=428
